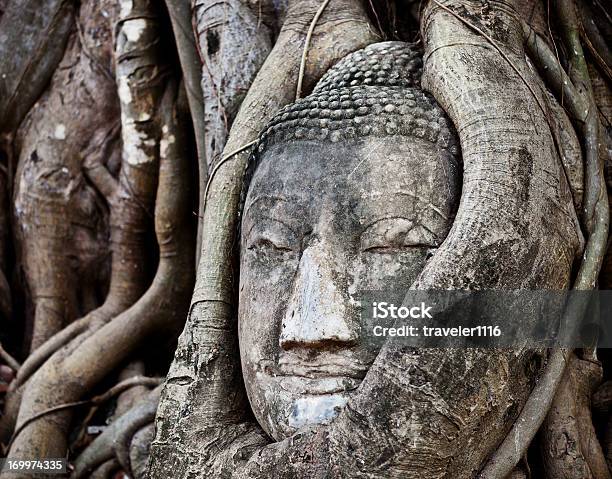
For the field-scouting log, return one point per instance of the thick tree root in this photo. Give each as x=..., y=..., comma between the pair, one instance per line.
x=95, y=401
x=227, y=65
x=9, y=360
x=140, y=449
x=60, y=221
x=34, y=36
x=117, y=437
x=106, y=470
x=595, y=218
x=129, y=397
x=139, y=79
x=47, y=349
x=160, y=309
x=570, y=448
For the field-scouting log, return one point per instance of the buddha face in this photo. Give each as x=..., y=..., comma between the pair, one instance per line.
x=322, y=223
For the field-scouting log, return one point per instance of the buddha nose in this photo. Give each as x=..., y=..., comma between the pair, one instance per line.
x=316, y=315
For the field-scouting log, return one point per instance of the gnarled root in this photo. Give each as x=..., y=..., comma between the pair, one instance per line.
x=159, y=311
x=161, y=307
x=60, y=221
x=106, y=470
x=117, y=437
x=570, y=448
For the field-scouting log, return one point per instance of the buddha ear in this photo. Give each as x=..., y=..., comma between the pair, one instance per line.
x=514, y=182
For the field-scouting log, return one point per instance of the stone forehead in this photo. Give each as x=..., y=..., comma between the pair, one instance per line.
x=372, y=92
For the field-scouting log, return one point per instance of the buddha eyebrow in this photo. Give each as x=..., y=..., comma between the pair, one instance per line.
x=424, y=200
x=266, y=215
x=262, y=198
x=391, y=217
x=269, y=218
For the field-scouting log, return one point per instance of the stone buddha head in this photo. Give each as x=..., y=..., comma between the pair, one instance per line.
x=350, y=189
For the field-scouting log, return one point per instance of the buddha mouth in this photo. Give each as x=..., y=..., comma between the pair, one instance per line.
x=302, y=386
x=332, y=375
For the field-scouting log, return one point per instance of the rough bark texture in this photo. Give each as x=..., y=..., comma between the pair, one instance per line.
x=32, y=43
x=233, y=43
x=181, y=19
x=119, y=435
x=570, y=448
x=60, y=221
x=147, y=135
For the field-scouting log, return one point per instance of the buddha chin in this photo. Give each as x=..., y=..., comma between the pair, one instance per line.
x=305, y=388
x=307, y=394
x=339, y=202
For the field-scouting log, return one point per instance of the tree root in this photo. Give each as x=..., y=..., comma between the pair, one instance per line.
x=159, y=311
x=58, y=346
x=57, y=214
x=29, y=56
x=597, y=45
x=596, y=220
x=570, y=448
x=139, y=77
x=96, y=400
x=229, y=63
x=602, y=399
x=47, y=349
x=140, y=449
x=588, y=376
x=9, y=360
x=129, y=397
x=304, y=56
x=106, y=470
x=117, y=437
x=180, y=17
x=232, y=45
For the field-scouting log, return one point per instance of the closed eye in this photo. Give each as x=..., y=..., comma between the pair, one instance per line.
x=391, y=235
x=267, y=243
x=394, y=249
x=270, y=235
